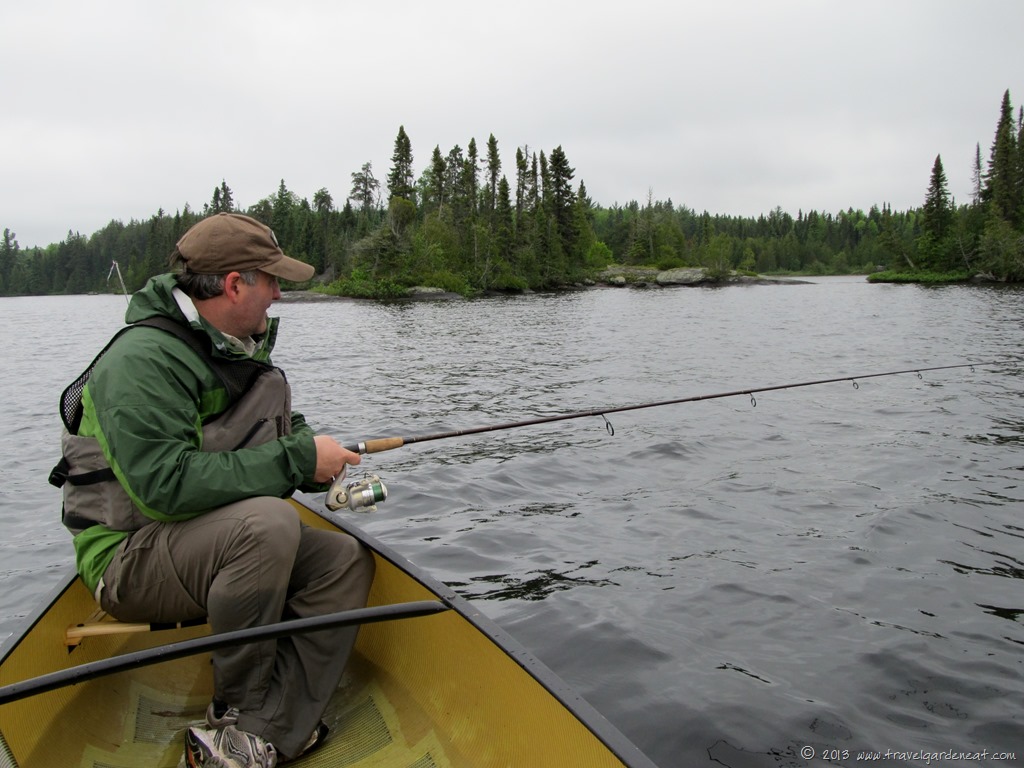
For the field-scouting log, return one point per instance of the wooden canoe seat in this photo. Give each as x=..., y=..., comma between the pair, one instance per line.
x=100, y=622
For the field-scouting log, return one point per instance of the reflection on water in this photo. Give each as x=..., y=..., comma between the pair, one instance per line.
x=726, y=582
x=536, y=586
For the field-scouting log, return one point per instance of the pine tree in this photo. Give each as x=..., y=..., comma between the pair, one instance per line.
x=471, y=187
x=521, y=180
x=400, y=179
x=504, y=223
x=8, y=258
x=977, y=176
x=1020, y=169
x=937, y=213
x=493, y=172
x=563, y=200
x=227, y=200
x=323, y=204
x=437, y=178
x=221, y=202
x=282, y=218
x=365, y=188
x=1000, y=181
x=471, y=176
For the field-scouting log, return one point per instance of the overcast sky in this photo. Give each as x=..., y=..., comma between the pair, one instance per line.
x=113, y=110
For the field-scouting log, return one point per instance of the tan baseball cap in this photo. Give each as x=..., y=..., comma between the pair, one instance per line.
x=231, y=242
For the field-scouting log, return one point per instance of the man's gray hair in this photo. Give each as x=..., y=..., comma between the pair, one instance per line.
x=204, y=286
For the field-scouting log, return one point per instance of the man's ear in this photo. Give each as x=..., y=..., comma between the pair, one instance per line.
x=232, y=287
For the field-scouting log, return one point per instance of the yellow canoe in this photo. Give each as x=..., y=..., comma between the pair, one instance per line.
x=448, y=689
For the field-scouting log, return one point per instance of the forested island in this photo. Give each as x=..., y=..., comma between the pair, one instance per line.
x=463, y=227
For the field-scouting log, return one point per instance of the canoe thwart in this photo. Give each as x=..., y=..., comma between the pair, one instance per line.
x=101, y=623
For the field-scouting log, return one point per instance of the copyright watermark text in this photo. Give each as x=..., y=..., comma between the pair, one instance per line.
x=925, y=756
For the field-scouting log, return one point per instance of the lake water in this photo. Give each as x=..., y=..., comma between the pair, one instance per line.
x=730, y=582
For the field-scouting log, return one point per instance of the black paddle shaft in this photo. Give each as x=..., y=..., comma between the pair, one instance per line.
x=83, y=672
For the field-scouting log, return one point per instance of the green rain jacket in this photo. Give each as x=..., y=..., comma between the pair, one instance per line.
x=146, y=402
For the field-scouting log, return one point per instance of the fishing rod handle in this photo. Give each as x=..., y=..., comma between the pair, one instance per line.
x=376, y=446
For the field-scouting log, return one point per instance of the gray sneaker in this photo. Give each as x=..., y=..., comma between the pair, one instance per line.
x=227, y=747
x=229, y=716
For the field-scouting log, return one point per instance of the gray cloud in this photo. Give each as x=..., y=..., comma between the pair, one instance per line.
x=117, y=109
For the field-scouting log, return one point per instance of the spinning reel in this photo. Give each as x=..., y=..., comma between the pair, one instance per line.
x=359, y=496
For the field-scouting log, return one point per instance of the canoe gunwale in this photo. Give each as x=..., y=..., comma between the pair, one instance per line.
x=565, y=694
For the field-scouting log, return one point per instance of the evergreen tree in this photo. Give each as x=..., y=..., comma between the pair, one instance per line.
x=436, y=176
x=458, y=213
x=221, y=202
x=1000, y=181
x=1020, y=169
x=400, y=179
x=365, y=188
x=563, y=200
x=504, y=224
x=521, y=182
x=471, y=176
x=977, y=176
x=471, y=188
x=282, y=218
x=933, y=245
x=227, y=200
x=323, y=204
x=8, y=258
x=493, y=172
x=937, y=213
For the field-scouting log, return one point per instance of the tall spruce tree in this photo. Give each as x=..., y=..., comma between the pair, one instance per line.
x=563, y=199
x=521, y=180
x=8, y=258
x=471, y=177
x=493, y=172
x=977, y=176
x=504, y=224
x=1001, y=180
x=437, y=179
x=401, y=178
x=1020, y=168
x=283, y=216
x=937, y=212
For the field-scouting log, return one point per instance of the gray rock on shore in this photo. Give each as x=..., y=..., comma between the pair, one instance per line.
x=641, y=276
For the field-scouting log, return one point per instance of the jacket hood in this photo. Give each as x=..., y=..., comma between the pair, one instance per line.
x=156, y=298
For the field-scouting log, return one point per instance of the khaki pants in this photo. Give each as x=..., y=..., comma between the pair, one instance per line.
x=247, y=564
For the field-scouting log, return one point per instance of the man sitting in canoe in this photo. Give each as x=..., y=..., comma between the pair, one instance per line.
x=180, y=451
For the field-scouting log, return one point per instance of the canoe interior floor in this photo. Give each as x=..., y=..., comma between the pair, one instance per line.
x=366, y=727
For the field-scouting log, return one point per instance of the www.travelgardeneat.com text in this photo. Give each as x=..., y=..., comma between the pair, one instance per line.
x=925, y=756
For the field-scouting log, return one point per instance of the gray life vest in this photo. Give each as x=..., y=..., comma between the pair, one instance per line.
x=260, y=411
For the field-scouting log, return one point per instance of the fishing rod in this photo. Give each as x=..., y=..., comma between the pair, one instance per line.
x=363, y=495
x=390, y=443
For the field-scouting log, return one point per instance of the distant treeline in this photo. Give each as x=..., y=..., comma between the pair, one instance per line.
x=463, y=226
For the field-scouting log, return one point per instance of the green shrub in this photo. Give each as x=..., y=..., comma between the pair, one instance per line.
x=930, y=278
